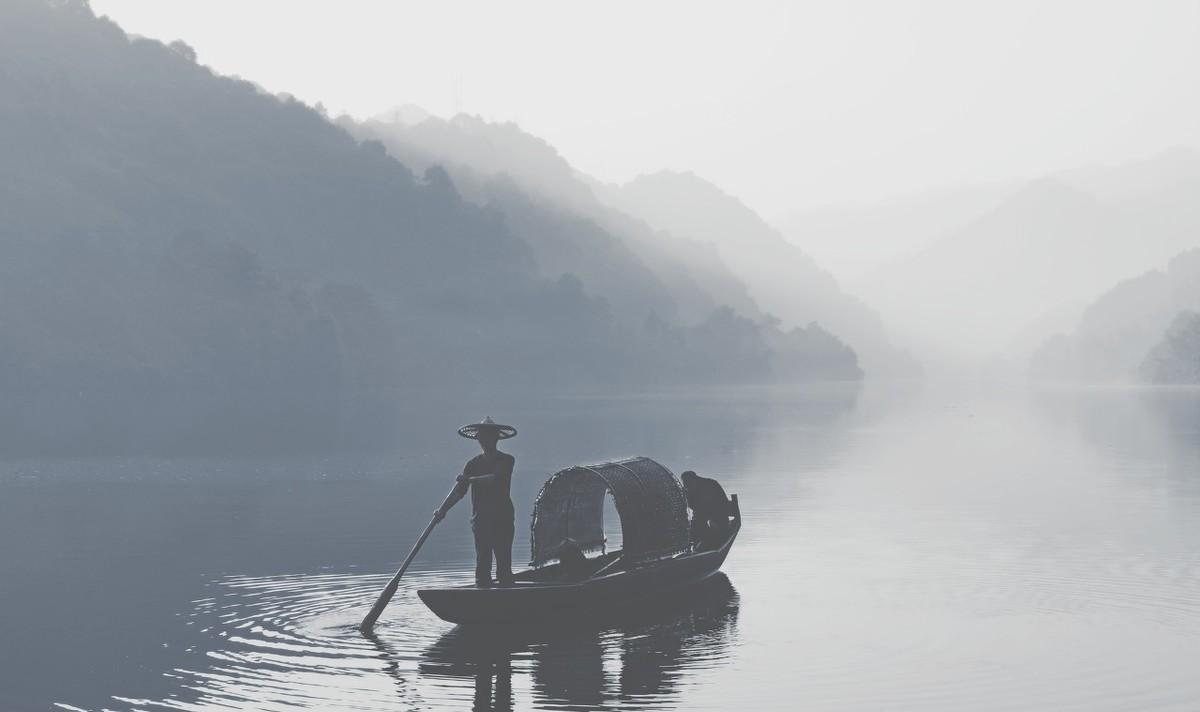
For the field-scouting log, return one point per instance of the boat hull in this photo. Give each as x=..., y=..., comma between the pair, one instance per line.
x=526, y=600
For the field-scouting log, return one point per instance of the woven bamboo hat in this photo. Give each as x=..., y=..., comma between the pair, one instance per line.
x=503, y=432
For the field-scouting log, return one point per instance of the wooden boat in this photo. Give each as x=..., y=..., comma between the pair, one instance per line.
x=657, y=559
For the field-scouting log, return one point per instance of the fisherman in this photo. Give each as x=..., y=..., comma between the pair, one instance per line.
x=711, y=509
x=572, y=561
x=488, y=476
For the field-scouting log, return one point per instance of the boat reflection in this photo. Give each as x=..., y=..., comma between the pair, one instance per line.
x=634, y=660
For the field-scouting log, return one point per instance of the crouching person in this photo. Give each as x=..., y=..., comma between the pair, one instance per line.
x=711, y=510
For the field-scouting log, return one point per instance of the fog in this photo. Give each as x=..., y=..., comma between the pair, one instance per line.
x=194, y=264
x=1032, y=257
x=236, y=262
x=918, y=282
x=785, y=105
x=976, y=175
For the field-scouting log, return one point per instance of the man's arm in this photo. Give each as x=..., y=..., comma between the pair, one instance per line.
x=459, y=491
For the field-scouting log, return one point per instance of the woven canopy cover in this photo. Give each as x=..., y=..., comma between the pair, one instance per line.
x=649, y=500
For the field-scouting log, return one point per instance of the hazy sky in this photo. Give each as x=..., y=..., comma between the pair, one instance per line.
x=783, y=104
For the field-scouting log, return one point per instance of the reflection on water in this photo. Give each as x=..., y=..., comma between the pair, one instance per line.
x=974, y=548
x=288, y=642
x=567, y=665
x=1152, y=434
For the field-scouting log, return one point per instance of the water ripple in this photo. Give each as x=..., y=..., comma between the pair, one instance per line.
x=288, y=642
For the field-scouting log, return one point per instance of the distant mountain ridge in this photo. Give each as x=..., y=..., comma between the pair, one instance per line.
x=687, y=256
x=1058, y=240
x=190, y=264
x=502, y=166
x=1133, y=331
x=1175, y=359
x=1133, y=179
x=781, y=277
x=855, y=240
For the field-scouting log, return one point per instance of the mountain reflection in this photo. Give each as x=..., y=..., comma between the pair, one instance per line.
x=1134, y=426
x=632, y=661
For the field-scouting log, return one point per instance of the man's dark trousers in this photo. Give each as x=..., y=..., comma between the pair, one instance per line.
x=493, y=538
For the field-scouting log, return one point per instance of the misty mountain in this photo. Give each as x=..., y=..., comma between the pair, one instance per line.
x=190, y=263
x=1058, y=240
x=1176, y=358
x=1134, y=328
x=560, y=213
x=487, y=149
x=1160, y=174
x=854, y=240
x=717, y=252
x=555, y=210
x=482, y=161
x=785, y=281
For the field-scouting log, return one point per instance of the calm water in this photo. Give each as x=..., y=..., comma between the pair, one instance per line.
x=983, y=548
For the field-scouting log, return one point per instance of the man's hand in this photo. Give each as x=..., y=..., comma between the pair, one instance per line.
x=438, y=515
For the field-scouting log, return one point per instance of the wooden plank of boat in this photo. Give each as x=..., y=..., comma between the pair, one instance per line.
x=535, y=595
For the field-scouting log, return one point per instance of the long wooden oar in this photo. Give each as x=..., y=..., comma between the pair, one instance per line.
x=368, y=623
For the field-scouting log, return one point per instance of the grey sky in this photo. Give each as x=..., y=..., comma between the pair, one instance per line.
x=783, y=104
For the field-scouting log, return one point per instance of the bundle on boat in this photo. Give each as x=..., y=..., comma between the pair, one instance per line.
x=656, y=557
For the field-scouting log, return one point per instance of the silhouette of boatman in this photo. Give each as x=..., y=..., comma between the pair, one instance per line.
x=711, y=509
x=488, y=476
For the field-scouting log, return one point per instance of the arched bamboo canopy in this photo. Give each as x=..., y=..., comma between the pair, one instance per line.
x=649, y=500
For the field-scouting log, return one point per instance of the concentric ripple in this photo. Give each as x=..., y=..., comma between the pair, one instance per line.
x=288, y=642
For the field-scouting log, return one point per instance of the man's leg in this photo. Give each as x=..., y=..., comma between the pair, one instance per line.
x=504, y=697
x=483, y=687
x=503, y=544
x=483, y=554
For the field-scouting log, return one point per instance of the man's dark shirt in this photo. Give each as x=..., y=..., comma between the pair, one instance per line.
x=490, y=500
x=710, y=512
x=707, y=499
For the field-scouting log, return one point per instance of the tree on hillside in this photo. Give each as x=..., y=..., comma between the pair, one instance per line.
x=1176, y=359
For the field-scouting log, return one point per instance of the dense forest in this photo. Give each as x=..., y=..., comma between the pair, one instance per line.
x=1175, y=359
x=705, y=246
x=190, y=263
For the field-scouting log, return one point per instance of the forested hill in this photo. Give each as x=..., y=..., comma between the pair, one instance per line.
x=1143, y=328
x=702, y=243
x=555, y=210
x=782, y=278
x=189, y=263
